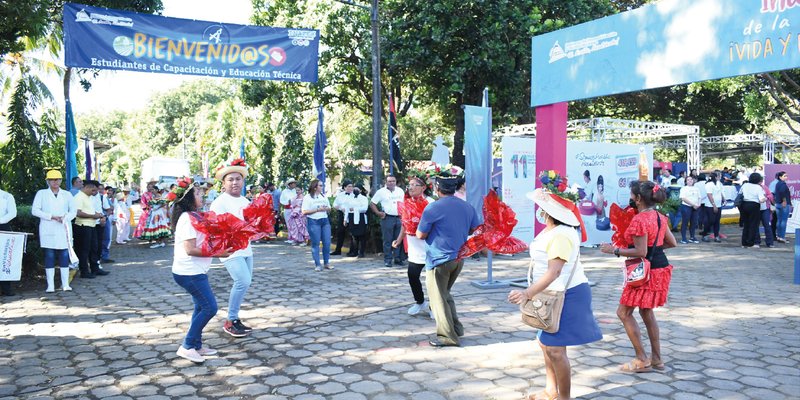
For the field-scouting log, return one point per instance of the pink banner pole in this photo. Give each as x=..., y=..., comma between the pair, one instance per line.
x=551, y=142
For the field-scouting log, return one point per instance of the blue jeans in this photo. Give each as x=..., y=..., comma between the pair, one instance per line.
x=241, y=270
x=688, y=220
x=320, y=230
x=106, y=243
x=50, y=258
x=205, y=307
x=766, y=220
x=783, y=216
x=675, y=218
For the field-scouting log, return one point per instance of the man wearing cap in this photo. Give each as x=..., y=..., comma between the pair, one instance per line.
x=388, y=197
x=287, y=195
x=8, y=211
x=240, y=263
x=84, y=232
x=55, y=211
x=341, y=230
x=445, y=226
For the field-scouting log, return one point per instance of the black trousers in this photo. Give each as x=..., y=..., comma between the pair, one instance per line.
x=414, y=271
x=86, y=247
x=751, y=216
x=341, y=233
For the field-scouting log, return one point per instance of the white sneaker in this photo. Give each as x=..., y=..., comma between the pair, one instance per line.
x=318, y=268
x=291, y=241
x=49, y=290
x=415, y=309
x=163, y=244
x=155, y=246
x=67, y=289
x=190, y=354
x=206, y=351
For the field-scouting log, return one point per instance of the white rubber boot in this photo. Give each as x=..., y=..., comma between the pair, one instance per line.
x=50, y=273
x=65, y=280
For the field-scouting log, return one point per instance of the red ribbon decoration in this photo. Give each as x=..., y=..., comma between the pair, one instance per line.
x=216, y=233
x=572, y=207
x=495, y=232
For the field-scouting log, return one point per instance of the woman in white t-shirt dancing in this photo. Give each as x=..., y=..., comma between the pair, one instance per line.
x=417, y=188
x=190, y=271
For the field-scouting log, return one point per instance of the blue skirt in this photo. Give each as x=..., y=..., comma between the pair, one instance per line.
x=578, y=325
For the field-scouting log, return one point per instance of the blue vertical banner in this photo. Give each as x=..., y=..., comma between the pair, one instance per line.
x=320, y=143
x=102, y=38
x=71, y=146
x=478, y=151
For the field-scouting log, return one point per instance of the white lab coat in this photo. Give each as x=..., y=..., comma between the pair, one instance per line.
x=52, y=234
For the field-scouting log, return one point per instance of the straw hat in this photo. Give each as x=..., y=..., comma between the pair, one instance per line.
x=554, y=206
x=120, y=196
x=290, y=181
x=53, y=174
x=237, y=165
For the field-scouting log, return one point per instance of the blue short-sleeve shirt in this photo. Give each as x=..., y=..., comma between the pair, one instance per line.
x=447, y=222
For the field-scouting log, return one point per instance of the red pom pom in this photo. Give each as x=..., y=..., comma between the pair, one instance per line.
x=172, y=196
x=562, y=187
x=183, y=184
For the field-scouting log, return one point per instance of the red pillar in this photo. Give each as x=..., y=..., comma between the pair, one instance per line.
x=551, y=141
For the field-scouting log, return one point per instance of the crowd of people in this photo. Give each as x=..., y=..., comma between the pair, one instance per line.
x=702, y=199
x=75, y=227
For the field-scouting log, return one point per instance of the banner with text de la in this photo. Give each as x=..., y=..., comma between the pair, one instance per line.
x=663, y=44
x=111, y=39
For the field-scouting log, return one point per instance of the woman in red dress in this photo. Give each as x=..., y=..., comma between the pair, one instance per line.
x=648, y=230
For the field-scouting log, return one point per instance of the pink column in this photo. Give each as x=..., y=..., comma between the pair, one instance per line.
x=551, y=141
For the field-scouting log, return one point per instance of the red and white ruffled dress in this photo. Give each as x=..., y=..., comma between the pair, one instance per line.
x=654, y=293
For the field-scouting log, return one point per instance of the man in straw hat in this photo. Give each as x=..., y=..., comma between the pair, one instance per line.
x=445, y=226
x=55, y=211
x=240, y=263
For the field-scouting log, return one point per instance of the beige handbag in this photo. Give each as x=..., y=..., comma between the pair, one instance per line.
x=543, y=311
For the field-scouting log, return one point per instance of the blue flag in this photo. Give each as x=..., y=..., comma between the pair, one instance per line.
x=71, y=147
x=320, y=142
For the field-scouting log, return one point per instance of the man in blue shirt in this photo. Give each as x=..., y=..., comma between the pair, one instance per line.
x=445, y=226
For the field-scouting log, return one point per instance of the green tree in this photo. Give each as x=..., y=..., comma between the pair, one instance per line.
x=295, y=155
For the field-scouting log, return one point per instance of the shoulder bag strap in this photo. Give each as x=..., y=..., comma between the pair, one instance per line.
x=652, y=249
x=574, y=267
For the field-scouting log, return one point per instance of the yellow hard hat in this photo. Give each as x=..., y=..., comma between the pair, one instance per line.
x=53, y=174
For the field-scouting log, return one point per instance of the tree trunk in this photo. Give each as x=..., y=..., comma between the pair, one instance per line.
x=458, y=139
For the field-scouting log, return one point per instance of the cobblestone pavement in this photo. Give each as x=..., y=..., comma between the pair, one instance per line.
x=730, y=331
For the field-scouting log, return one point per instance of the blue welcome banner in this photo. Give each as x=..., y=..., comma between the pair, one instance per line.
x=478, y=154
x=667, y=43
x=111, y=39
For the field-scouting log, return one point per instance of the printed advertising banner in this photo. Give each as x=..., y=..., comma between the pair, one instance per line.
x=602, y=173
x=111, y=39
x=12, y=246
x=663, y=44
x=792, y=170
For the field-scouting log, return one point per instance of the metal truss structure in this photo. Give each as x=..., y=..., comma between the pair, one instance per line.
x=670, y=136
x=620, y=130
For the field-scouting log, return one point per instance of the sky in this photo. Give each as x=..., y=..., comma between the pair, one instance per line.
x=123, y=90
